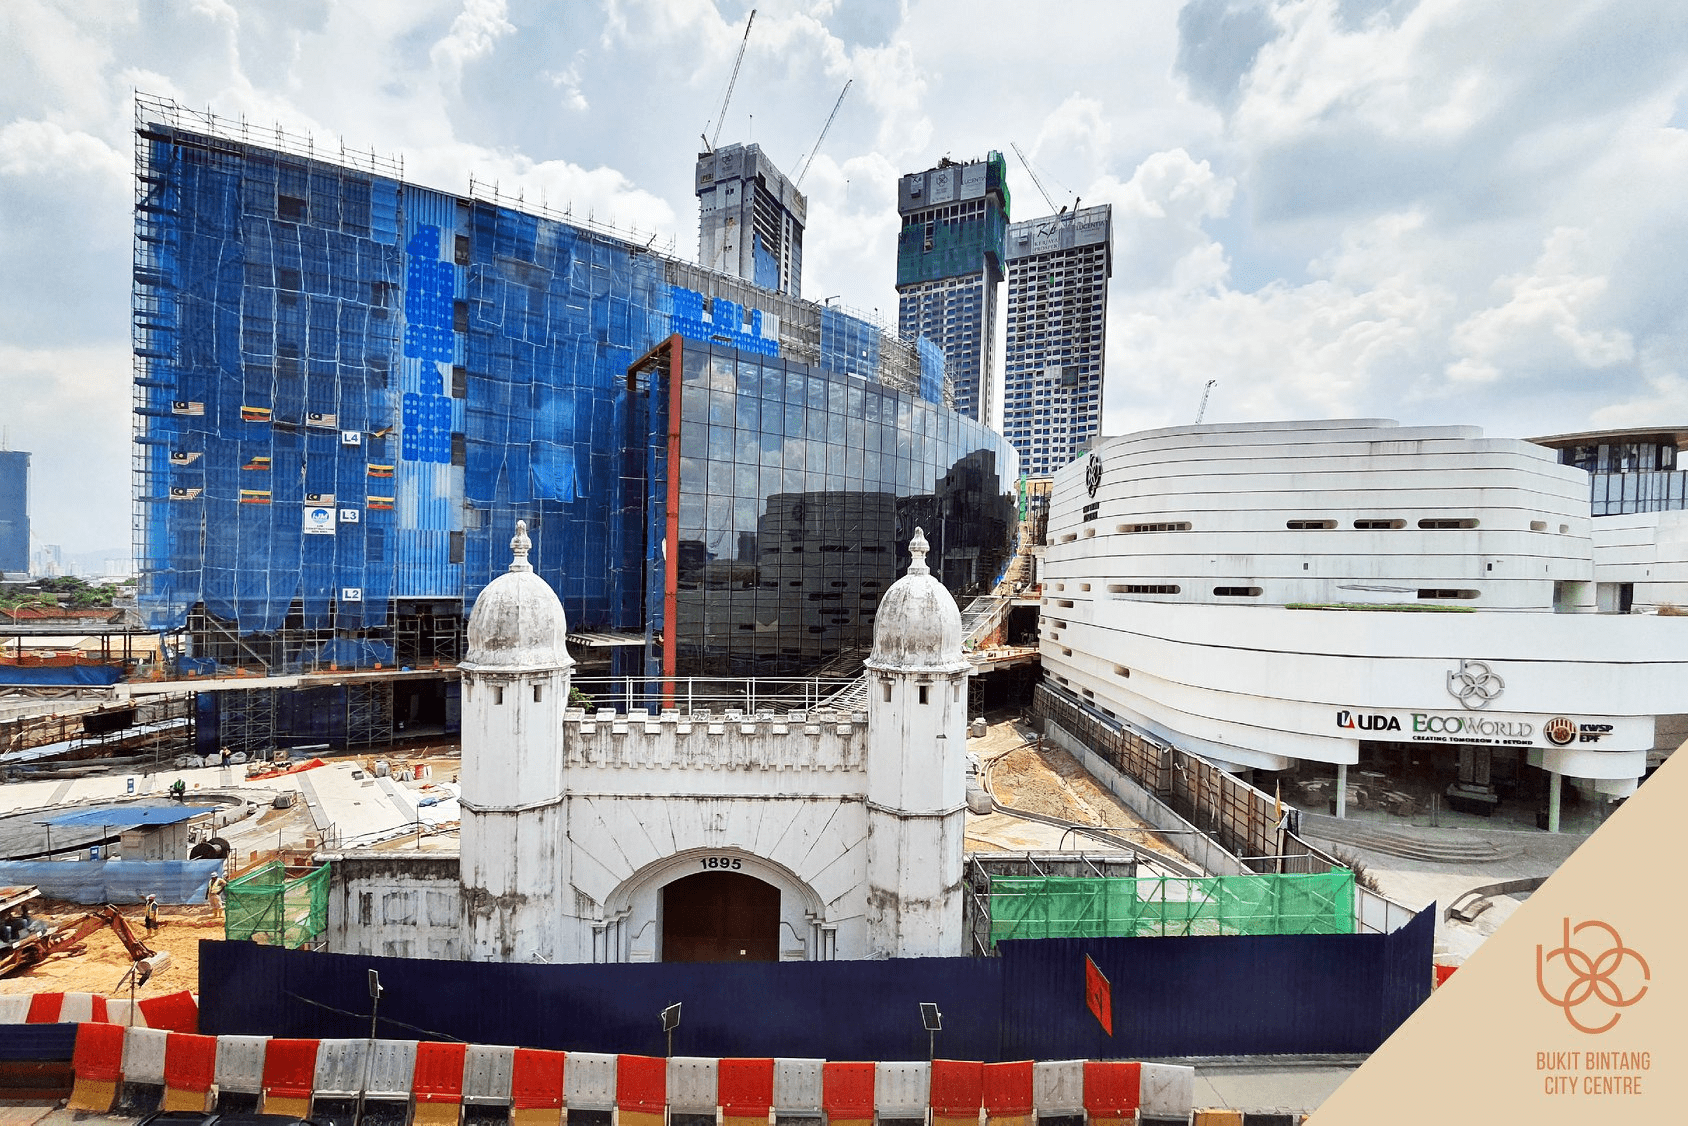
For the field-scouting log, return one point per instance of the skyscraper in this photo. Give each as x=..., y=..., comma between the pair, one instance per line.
x=1058, y=270
x=14, y=512
x=949, y=264
x=750, y=219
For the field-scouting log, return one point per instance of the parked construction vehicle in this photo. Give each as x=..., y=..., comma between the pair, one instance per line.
x=24, y=942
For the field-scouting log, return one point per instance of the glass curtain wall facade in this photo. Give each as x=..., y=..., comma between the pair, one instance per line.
x=1629, y=471
x=798, y=492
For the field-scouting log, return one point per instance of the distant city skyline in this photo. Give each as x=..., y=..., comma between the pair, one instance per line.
x=1331, y=207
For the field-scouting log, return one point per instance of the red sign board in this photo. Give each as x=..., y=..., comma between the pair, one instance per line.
x=1099, y=996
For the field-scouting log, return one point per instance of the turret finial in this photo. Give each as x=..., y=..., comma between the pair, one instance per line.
x=917, y=549
x=519, y=547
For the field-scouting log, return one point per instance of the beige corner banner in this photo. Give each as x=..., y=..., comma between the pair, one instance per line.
x=1574, y=1011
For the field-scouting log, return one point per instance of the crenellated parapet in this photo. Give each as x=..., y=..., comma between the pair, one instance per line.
x=799, y=742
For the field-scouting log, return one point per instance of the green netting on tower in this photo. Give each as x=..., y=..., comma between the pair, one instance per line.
x=267, y=905
x=951, y=248
x=1072, y=907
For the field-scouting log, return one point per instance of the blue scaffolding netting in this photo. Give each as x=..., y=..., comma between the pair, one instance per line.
x=349, y=388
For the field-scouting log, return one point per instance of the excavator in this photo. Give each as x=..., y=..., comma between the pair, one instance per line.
x=22, y=946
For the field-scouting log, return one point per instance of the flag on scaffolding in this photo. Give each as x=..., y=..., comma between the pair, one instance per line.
x=179, y=492
x=187, y=407
x=183, y=457
x=323, y=421
x=259, y=462
x=380, y=470
x=254, y=496
x=324, y=499
x=254, y=414
x=380, y=502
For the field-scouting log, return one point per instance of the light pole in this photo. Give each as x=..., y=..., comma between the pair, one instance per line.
x=375, y=992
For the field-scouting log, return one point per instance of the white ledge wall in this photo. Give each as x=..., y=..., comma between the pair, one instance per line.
x=1253, y=683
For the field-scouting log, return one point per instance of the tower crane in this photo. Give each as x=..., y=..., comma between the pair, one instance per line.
x=1033, y=175
x=721, y=118
x=1202, y=410
x=805, y=170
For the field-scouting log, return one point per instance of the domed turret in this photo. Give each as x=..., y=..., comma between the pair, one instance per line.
x=918, y=626
x=518, y=621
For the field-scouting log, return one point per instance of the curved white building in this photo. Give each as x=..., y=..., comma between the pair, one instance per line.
x=1319, y=591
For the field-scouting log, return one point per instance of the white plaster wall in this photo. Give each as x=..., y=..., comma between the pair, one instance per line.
x=650, y=799
x=625, y=849
x=1649, y=549
x=391, y=904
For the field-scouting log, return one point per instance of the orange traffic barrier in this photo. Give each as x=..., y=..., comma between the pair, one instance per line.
x=1111, y=1092
x=98, y=1065
x=536, y=1087
x=1008, y=1094
x=190, y=1062
x=641, y=1090
x=847, y=1093
x=746, y=1091
x=289, y=1077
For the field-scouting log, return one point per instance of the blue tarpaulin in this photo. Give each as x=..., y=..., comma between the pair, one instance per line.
x=129, y=815
x=114, y=881
x=90, y=675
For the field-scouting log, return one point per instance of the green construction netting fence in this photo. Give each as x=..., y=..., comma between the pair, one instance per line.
x=265, y=904
x=1073, y=907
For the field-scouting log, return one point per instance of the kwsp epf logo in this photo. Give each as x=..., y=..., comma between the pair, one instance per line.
x=1591, y=975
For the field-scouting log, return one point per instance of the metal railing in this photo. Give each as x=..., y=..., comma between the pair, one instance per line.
x=696, y=695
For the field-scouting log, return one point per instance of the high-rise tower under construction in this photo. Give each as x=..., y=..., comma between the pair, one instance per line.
x=949, y=264
x=1058, y=270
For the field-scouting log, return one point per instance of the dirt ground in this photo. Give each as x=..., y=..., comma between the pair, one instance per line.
x=1026, y=774
x=101, y=967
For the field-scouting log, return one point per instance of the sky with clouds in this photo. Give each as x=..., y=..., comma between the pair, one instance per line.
x=1440, y=211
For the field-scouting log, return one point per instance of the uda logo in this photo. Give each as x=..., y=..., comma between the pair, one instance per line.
x=1365, y=722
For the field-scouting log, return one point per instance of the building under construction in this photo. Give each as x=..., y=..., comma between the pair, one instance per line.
x=348, y=388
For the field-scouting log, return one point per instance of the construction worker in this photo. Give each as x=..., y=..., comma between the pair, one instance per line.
x=226, y=753
x=179, y=790
x=152, y=913
x=214, y=894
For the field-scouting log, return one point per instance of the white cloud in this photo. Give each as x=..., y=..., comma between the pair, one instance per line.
x=40, y=148
x=473, y=35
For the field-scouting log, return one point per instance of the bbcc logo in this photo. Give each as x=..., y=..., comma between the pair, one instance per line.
x=1584, y=978
x=1475, y=684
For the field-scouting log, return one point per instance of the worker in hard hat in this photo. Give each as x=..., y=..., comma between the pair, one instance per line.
x=179, y=790
x=152, y=913
x=214, y=893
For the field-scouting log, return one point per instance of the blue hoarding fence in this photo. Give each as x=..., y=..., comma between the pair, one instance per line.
x=1172, y=997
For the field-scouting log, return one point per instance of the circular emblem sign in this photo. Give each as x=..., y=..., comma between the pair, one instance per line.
x=1093, y=474
x=1560, y=730
x=1475, y=684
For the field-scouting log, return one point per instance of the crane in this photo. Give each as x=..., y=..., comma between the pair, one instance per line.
x=721, y=118
x=1202, y=410
x=1033, y=175
x=824, y=128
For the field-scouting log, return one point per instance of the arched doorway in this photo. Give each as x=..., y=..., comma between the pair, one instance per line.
x=720, y=917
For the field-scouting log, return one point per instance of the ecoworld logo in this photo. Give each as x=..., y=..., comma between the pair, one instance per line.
x=1604, y=977
x=1472, y=725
